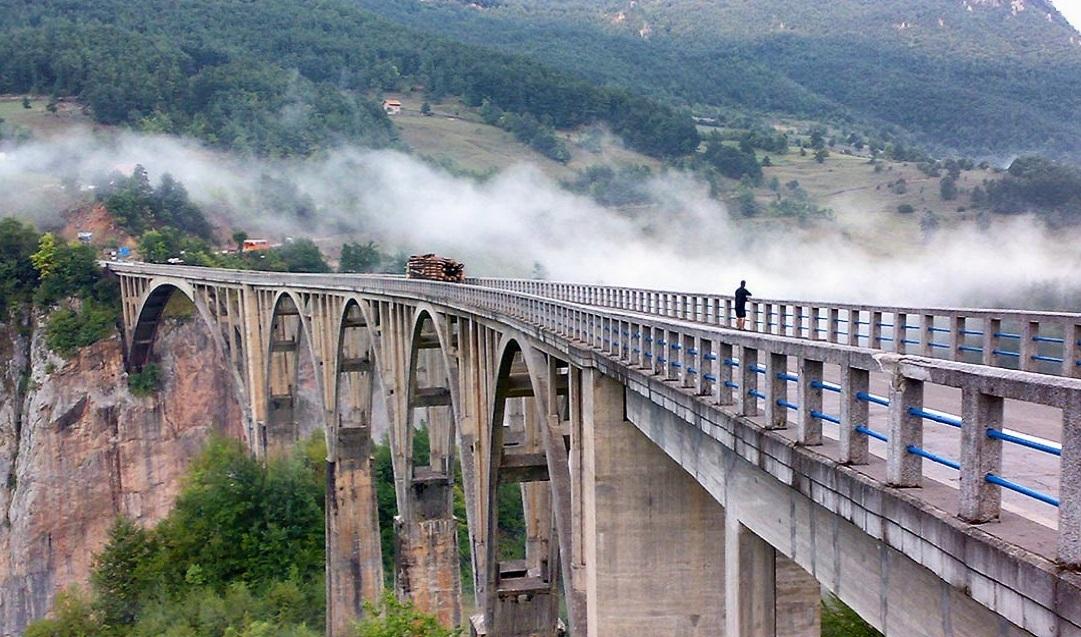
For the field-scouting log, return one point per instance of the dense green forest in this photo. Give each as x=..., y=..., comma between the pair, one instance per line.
x=281, y=77
x=981, y=81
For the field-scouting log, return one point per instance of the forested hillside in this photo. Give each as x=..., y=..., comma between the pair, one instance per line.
x=982, y=76
x=284, y=77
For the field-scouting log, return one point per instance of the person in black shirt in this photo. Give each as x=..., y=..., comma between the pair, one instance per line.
x=741, y=304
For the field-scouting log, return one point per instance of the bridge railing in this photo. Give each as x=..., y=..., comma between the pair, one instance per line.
x=1046, y=342
x=750, y=373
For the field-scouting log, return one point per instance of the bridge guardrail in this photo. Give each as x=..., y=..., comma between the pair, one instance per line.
x=703, y=359
x=1046, y=342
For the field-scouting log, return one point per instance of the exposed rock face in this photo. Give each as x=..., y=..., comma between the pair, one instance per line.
x=77, y=450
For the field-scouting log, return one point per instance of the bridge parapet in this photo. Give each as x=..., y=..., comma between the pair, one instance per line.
x=1046, y=342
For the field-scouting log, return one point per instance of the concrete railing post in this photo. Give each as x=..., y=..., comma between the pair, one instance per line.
x=833, y=325
x=991, y=329
x=956, y=338
x=809, y=426
x=688, y=364
x=1071, y=335
x=854, y=413
x=1029, y=345
x=980, y=455
x=782, y=319
x=816, y=315
x=671, y=354
x=705, y=366
x=904, y=469
x=854, y=328
x=656, y=348
x=748, y=360
x=727, y=322
x=725, y=395
x=776, y=391
x=900, y=332
x=874, y=330
x=1069, y=512
x=797, y=321
x=927, y=335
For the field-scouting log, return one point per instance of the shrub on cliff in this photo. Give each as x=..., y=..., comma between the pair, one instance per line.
x=241, y=555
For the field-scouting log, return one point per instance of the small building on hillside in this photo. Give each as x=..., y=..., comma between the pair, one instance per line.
x=392, y=107
x=255, y=245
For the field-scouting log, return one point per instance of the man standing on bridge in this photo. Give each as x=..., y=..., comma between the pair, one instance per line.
x=742, y=293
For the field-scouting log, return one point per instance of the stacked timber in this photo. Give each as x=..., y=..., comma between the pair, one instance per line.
x=435, y=268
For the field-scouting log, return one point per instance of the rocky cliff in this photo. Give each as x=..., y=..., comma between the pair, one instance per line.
x=78, y=449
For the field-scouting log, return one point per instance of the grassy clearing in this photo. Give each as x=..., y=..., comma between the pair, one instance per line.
x=37, y=119
x=455, y=134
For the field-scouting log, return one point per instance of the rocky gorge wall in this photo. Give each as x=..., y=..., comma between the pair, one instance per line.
x=77, y=449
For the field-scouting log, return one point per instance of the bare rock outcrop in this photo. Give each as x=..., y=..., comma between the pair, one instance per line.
x=77, y=449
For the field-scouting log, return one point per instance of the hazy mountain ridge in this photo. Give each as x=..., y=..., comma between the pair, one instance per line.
x=976, y=76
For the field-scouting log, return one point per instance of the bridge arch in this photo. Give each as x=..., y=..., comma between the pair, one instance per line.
x=150, y=309
x=288, y=333
x=518, y=590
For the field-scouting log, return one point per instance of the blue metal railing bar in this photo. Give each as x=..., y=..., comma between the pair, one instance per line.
x=936, y=416
x=824, y=416
x=1020, y=488
x=1024, y=441
x=942, y=460
x=863, y=429
x=821, y=384
x=787, y=403
x=755, y=393
x=873, y=398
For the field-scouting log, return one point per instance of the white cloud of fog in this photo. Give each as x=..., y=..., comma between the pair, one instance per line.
x=501, y=227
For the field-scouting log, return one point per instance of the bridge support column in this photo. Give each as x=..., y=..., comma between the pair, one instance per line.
x=766, y=594
x=354, y=555
x=428, y=568
x=653, y=536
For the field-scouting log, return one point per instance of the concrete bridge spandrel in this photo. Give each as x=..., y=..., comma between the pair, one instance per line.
x=738, y=469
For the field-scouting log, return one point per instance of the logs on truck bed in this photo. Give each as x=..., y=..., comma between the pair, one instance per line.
x=434, y=268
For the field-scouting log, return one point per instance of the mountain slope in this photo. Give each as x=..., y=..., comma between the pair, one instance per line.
x=979, y=76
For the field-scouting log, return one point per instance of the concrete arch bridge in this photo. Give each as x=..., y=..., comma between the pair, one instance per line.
x=679, y=477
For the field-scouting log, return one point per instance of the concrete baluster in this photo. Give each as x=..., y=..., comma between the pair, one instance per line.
x=727, y=313
x=1069, y=513
x=956, y=338
x=1071, y=350
x=1029, y=345
x=797, y=322
x=724, y=374
x=776, y=391
x=816, y=315
x=875, y=330
x=671, y=355
x=748, y=360
x=927, y=335
x=688, y=362
x=833, y=325
x=704, y=366
x=904, y=469
x=854, y=413
x=809, y=426
x=900, y=332
x=991, y=329
x=782, y=319
x=980, y=455
x=854, y=327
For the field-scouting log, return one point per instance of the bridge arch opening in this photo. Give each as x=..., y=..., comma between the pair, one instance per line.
x=151, y=313
x=293, y=395
x=523, y=570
